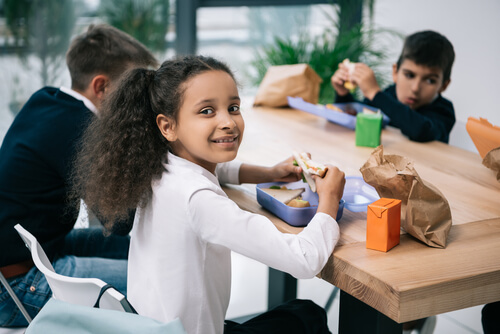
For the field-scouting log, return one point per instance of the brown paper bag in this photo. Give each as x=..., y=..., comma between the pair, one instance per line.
x=297, y=80
x=425, y=212
x=492, y=161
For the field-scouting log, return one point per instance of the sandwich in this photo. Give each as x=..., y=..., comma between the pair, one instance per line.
x=309, y=167
x=350, y=69
x=299, y=203
x=284, y=195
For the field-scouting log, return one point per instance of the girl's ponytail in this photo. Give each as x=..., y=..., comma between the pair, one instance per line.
x=121, y=152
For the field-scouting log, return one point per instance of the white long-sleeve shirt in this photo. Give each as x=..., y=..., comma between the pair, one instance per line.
x=180, y=253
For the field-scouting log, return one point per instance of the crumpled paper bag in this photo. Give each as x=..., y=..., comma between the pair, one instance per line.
x=492, y=161
x=425, y=212
x=298, y=80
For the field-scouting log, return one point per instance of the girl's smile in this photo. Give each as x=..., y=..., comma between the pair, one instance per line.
x=209, y=126
x=228, y=140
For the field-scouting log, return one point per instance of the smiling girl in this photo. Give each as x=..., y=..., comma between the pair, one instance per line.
x=165, y=141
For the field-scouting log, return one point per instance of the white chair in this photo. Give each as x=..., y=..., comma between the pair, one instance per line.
x=19, y=330
x=85, y=291
x=81, y=291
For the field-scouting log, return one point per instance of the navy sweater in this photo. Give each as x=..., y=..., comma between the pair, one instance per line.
x=431, y=122
x=35, y=166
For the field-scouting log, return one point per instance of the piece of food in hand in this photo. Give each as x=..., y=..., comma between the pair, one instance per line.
x=299, y=203
x=349, y=85
x=350, y=69
x=309, y=167
x=284, y=195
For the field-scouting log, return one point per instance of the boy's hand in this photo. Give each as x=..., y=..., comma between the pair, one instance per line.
x=338, y=79
x=330, y=190
x=285, y=171
x=364, y=77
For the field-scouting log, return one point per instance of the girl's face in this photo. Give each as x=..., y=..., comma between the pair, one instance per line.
x=209, y=126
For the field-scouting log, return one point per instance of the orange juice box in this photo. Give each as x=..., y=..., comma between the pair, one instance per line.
x=383, y=221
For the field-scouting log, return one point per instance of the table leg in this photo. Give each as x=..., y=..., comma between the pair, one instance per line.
x=282, y=287
x=357, y=317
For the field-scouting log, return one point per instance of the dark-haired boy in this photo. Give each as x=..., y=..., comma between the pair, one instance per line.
x=35, y=169
x=414, y=102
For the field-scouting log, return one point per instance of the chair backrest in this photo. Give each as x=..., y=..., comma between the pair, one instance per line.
x=82, y=291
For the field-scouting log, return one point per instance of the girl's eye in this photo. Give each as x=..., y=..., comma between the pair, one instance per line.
x=207, y=111
x=234, y=109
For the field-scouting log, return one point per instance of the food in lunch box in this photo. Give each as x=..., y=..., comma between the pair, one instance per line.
x=278, y=187
x=333, y=107
x=350, y=68
x=284, y=195
x=299, y=203
x=348, y=109
x=309, y=167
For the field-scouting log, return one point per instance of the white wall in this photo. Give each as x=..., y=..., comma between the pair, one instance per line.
x=473, y=28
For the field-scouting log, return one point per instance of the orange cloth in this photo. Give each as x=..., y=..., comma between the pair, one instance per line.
x=484, y=135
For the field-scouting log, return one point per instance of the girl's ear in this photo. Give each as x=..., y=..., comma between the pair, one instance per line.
x=167, y=127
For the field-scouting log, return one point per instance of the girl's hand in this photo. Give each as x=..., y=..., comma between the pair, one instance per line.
x=339, y=78
x=330, y=190
x=285, y=171
x=364, y=77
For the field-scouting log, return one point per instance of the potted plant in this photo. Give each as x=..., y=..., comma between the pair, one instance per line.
x=42, y=28
x=345, y=38
x=39, y=28
x=145, y=20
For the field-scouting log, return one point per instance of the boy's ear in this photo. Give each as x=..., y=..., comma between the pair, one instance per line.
x=99, y=85
x=395, y=72
x=444, y=86
x=167, y=127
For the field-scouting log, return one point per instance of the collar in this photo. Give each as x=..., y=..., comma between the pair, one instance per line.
x=80, y=97
x=176, y=161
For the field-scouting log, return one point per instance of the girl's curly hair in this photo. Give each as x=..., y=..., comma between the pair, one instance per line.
x=123, y=150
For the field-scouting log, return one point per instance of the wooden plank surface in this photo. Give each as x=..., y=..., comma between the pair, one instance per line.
x=470, y=188
x=413, y=281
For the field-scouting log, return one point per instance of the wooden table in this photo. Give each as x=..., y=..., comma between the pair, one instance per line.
x=412, y=280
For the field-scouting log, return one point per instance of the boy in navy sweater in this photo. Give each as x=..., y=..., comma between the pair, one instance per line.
x=414, y=102
x=36, y=159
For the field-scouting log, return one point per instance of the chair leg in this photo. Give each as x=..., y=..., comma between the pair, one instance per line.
x=330, y=300
x=282, y=288
x=14, y=297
